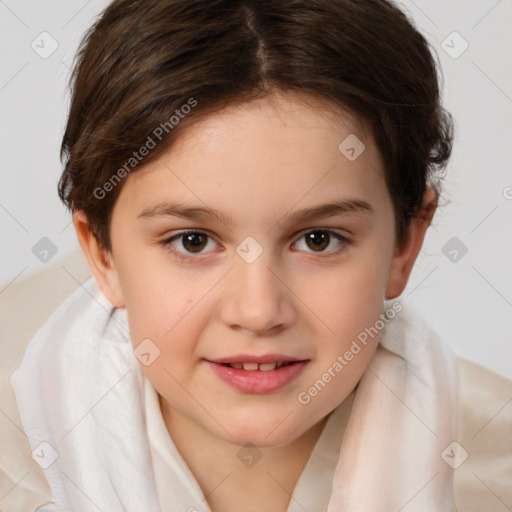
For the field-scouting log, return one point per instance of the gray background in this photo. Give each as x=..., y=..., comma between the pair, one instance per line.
x=467, y=297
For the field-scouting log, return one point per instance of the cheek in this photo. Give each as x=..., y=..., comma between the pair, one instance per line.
x=159, y=294
x=348, y=302
x=350, y=296
x=165, y=314
x=163, y=322
x=161, y=306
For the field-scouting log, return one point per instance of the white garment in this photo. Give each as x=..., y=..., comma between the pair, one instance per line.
x=80, y=392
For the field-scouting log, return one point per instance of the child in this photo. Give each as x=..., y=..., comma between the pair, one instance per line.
x=251, y=183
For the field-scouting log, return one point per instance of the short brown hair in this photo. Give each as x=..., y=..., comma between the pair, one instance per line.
x=144, y=60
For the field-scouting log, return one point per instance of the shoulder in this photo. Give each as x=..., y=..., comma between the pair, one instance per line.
x=24, y=306
x=483, y=481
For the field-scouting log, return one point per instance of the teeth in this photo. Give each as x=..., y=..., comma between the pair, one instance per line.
x=250, y=366
x=263, y=367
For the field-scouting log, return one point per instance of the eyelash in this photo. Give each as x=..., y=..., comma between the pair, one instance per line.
x=188, y=257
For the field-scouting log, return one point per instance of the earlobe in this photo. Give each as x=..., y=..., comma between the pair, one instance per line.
x=100, y=261
x=405, y=255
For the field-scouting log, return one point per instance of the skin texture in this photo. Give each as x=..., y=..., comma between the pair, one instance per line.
x=255, y=163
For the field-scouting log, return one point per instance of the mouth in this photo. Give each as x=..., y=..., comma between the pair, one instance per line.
x=258, y=377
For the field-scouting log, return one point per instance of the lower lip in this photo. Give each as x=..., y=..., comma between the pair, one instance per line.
x=258, y=382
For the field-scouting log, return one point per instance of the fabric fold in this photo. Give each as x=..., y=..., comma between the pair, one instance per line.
x=403, y=418
x=80, y=393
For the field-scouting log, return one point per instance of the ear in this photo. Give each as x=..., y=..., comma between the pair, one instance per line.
x=100, y=260
x=405, y=255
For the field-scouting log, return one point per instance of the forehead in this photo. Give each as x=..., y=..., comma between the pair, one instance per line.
x=263, y=156
x=286, y=115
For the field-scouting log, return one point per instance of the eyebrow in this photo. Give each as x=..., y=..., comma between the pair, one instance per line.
x=198, y=213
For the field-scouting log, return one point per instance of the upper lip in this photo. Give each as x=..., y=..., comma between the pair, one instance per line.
x=251, y=358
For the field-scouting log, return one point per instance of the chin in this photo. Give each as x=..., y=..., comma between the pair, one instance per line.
x=261, y=440
x=270, y=432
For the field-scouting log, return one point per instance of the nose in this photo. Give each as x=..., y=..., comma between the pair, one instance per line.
x=256, y=298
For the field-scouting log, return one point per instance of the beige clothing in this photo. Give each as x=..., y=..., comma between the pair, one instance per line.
x=482, y=483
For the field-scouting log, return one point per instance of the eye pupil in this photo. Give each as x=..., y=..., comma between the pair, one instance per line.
x=194, y=242
x=320, y=240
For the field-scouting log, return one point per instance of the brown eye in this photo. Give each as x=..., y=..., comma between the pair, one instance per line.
x=190, y=244
x=318, y=240
x=194, y=242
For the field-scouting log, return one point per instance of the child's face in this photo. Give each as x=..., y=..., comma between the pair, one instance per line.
x=303, y=298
